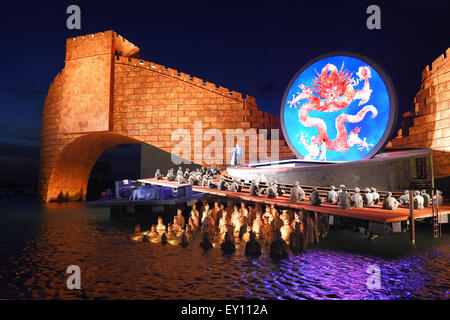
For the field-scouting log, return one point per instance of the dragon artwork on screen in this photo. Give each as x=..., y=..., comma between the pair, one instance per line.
x=336, y=109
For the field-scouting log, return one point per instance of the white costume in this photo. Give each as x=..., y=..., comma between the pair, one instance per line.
x=323, y=152
x=237, y=154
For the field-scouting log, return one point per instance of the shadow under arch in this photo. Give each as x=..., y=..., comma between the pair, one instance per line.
x=114, y=164
x=70, y=175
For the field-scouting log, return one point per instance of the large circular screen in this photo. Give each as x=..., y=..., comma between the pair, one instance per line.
x=338, y=107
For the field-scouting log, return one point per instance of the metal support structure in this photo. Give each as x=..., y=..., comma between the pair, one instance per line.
x=431, y=171
x=434, y=216
x=411, y=216
x=437, y=228
x=438, y=217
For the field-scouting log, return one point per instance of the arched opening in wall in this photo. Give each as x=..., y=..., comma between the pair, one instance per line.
x=72, y=167
x=132, y=162
x=117, y=163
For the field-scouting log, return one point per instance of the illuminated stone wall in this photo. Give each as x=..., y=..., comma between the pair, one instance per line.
x=428, y=125
x=106, y=96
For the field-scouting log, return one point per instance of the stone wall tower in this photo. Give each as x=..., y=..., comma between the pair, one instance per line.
x=428, y=125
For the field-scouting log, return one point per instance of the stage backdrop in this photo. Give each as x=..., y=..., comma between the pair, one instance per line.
x=338, y=107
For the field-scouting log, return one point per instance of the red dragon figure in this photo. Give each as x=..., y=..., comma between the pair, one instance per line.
x=335, y=92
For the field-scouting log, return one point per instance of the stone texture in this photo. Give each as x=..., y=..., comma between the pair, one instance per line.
x=106, y=96
x=431, y=116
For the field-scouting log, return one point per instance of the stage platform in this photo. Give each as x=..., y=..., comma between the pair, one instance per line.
x=374, y=213
x=393, y=170
x=175, y=200
x=127, y=202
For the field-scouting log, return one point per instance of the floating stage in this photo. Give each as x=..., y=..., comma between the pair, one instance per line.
x=393, y=171
x=141, y=203
x=374, y=213
x=129, y=202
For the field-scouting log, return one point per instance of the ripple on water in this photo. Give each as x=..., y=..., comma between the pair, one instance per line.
x=47, y=240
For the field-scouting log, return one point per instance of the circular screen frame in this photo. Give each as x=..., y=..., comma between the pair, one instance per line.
x=393, y=104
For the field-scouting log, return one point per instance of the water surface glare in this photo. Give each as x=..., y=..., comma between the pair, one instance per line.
x=38, y=242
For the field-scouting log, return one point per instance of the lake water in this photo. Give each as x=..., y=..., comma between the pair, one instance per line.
x=38, y=242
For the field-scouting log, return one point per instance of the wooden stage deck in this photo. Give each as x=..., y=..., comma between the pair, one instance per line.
x=374, y=213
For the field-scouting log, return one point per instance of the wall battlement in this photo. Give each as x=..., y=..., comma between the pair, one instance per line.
x=110, y=34
x=435, y=65
x=101, y=43
x=130, y=60
x=92, y=36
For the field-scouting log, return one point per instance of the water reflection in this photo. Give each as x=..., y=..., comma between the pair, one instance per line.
x=37, y=244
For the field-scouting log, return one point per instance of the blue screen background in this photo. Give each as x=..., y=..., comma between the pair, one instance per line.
x=371, y=128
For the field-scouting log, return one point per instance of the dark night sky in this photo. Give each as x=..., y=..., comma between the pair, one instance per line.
x=251, y=47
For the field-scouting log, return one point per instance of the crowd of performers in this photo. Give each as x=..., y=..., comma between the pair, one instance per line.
x=281, y=232
x=201, y=176
x=342, y=197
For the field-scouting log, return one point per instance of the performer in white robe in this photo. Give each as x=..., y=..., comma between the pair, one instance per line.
x=237, y=155
x=323, y=151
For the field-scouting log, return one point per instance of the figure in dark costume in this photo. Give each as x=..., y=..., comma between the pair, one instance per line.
x=164, y=238
x=254, y=189
x=227, y=245
x=314, y=198
x=205, y=244
x=184, y=241
x=252, y=247
x=297, y=241
x=279, y=248
x=344, y=199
